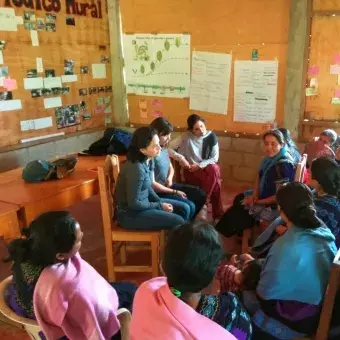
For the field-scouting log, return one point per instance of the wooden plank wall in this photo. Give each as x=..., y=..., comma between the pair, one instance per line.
x=324, y=46
x=219, y=26
x=83, y=43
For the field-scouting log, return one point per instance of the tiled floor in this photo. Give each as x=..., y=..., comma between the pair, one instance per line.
x=89, y=216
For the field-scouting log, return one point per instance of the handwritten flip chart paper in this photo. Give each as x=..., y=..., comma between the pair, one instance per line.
x=51, y=103
x=51, y=82
x=255, y=91
x=99, y=71
x=10, y=84
x=10, y=105
x=210, y=78
x=334, y=69
x=33, y=83
x=8, y=20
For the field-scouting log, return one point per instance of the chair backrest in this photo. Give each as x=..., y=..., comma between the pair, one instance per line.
x=301, y=168
x=107, y=176
x=328, y=303
x=124, y=317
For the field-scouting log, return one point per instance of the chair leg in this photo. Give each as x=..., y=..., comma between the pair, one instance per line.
x=111, y=267
x=122, y=253
x=155, y=255
x=162, y=240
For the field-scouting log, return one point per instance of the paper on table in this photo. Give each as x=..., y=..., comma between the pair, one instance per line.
x=34, y=38
x=255, y=91
x=51, y=103
x=99, y=71
x=210, y=78
x=33, y=83
x=8, y=20
x=69, y=78
x=40, y=66
x=10, y=105
x=1, y=58
x=10, y=84
x=51, y=82
x=26, y=140
x=43, y=123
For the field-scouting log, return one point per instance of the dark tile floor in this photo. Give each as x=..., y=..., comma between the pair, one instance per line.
x=88, y=214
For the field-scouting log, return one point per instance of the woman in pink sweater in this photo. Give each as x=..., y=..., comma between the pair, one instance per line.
x=55, y=286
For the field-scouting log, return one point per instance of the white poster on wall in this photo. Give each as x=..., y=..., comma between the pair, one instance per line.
x=210, y=79
x=157, y=64
x=255, y=91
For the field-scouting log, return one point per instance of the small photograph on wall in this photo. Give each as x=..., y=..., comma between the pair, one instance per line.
x=101, y=89
x=41, y=24
x=105, y=59
x=68, y=67
x=82, y=92
x=31, y=26
x=36, y=93
x=2, y=45
x=50, y=73
x=92, y=90
x=70, y=21
x=4, y=71
x=51, y=18
x=50, y=27
x=108, y=89
x=46, y=92
x=84, y=70
x=83, y=105
x=29, y=16
x=64, y=90
x=6, y=95
x=32, y=73
x=67, y=116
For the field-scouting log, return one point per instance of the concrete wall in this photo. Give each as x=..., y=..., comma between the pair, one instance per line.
x=14, y=159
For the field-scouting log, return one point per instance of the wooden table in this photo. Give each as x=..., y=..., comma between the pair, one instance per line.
x=9, y=223
x=36, y=198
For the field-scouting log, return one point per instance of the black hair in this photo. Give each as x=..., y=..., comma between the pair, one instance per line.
x=275, y=133
x=251, y=274
x=294, y=150
x=331, y=134
x=193, y=119
x=296, y=201
x=141, y=139
x=162, y=126
x=191, y=257
x=49, y=234
x=326, y=172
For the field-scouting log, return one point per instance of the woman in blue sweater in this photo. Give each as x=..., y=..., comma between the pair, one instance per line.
x=137, y=204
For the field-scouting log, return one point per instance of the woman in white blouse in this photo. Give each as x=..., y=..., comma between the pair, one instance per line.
x=197, y=151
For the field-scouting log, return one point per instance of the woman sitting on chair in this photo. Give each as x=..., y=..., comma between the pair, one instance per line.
x=292, y=148
x=277, y=167
x=198, y=154
x=53, y=284
x=295, y=273
x=174, y=307
x=137, y=204
x=192, y=197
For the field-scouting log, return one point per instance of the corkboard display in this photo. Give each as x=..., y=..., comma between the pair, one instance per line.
x=84, y=43
x=324, y=52
x=236, y=26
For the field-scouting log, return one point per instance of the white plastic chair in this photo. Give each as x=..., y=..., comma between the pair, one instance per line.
x=32, y=327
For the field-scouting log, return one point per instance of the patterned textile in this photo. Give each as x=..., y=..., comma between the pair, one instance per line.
x=226, y=310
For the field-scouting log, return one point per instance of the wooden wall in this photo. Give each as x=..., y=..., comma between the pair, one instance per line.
x=218, y=26
x=320, y=113
x=83, y=43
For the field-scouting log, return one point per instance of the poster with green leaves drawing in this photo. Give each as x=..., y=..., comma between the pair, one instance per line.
x=157, y=64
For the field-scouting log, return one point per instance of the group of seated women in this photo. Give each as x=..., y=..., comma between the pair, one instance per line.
x=276, y=292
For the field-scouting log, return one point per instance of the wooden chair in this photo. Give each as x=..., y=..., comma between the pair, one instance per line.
x=118, y=236
x=300, y=169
